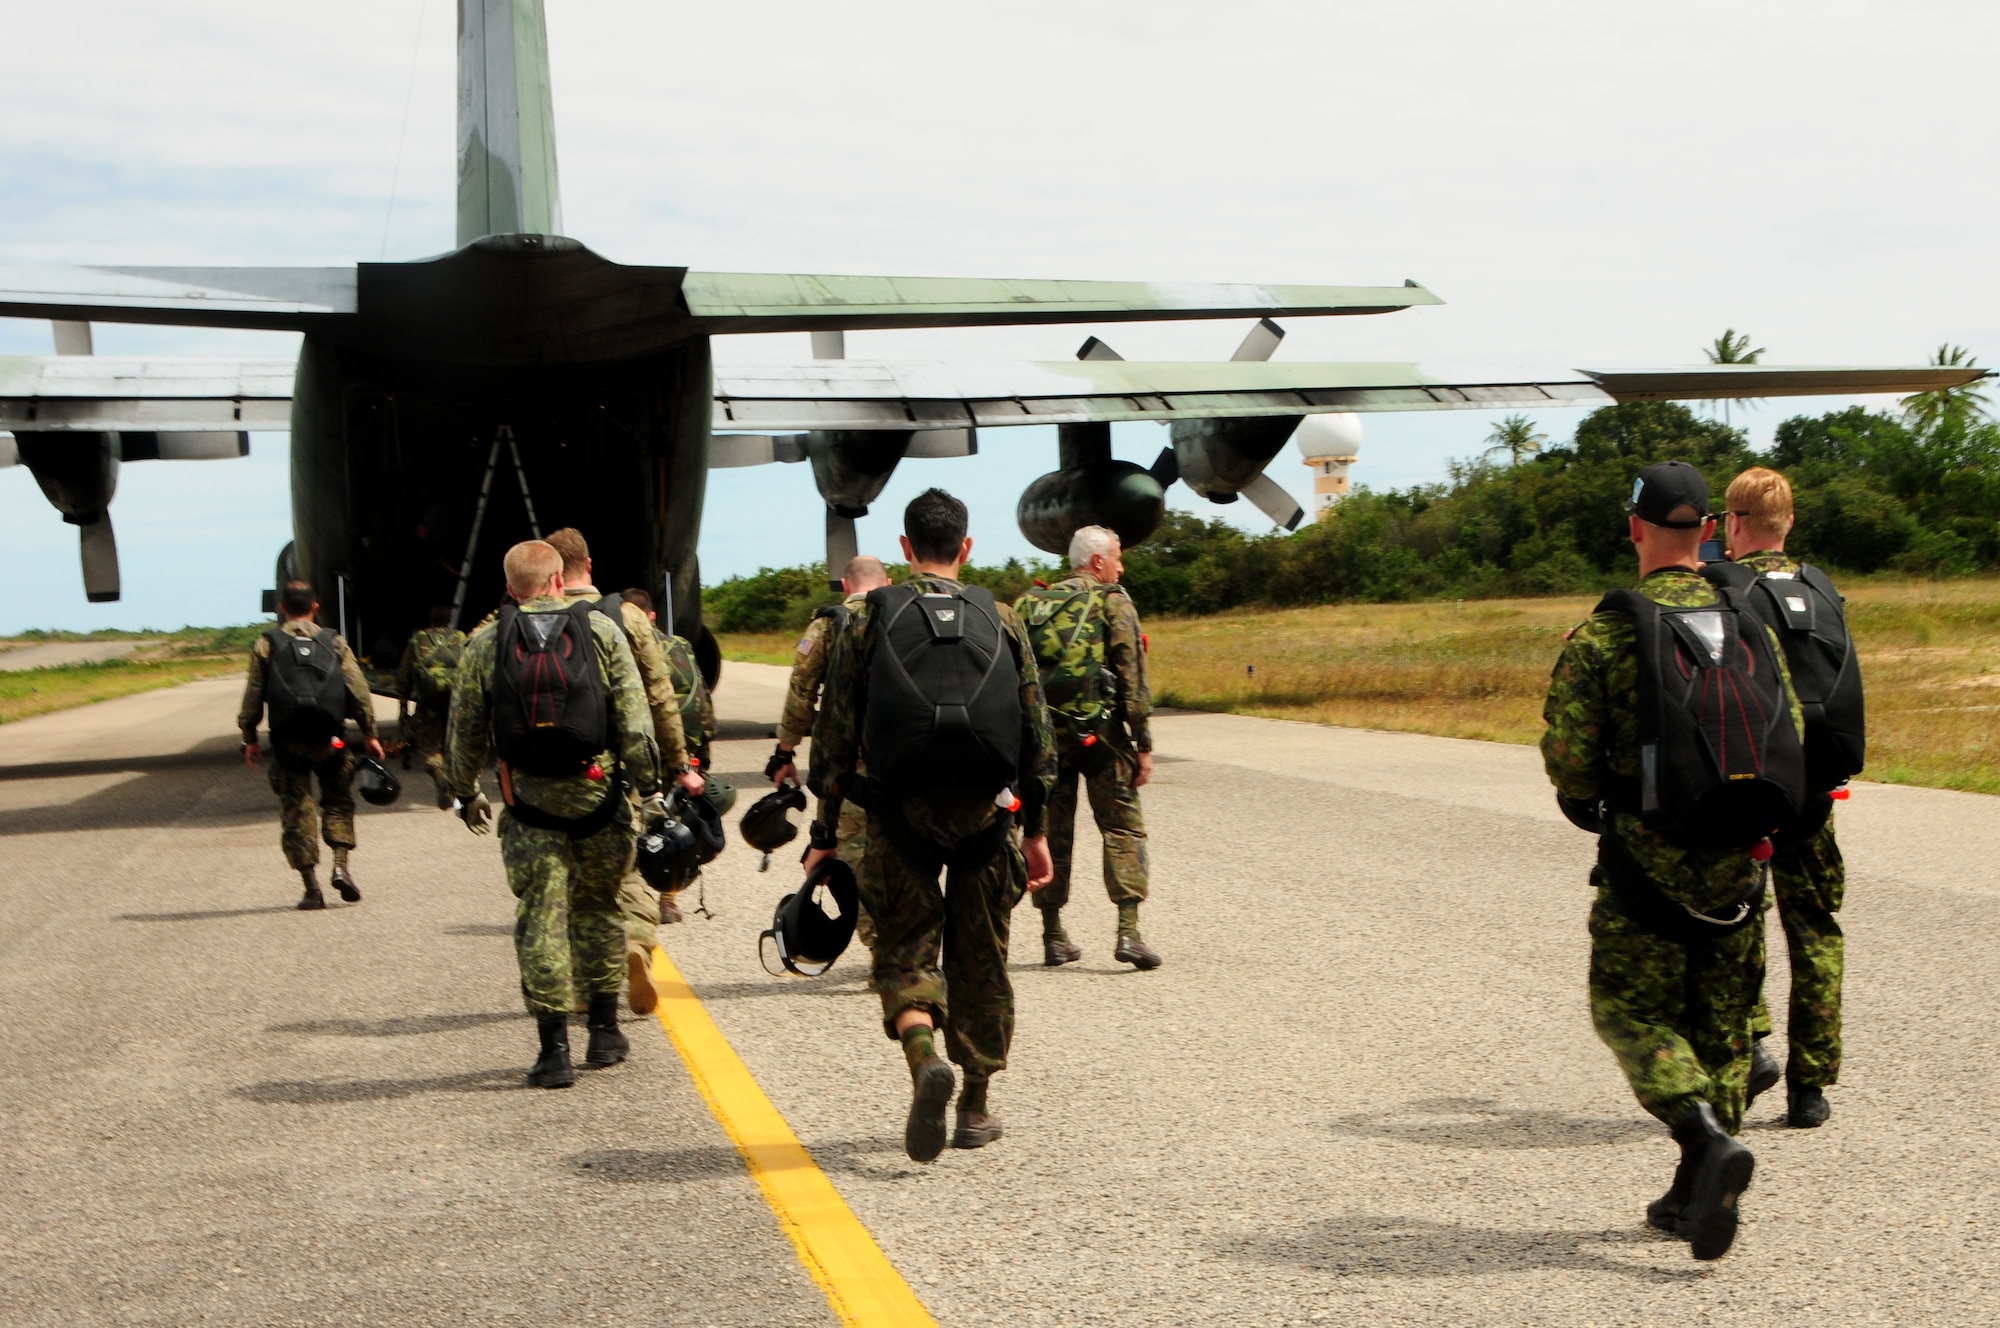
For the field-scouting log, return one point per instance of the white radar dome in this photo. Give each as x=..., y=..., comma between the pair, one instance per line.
x=1324, y=437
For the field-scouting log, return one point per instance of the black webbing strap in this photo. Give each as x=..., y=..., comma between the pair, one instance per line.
x=576, y=827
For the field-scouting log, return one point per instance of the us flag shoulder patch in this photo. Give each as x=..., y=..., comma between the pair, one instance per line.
x=806, y=644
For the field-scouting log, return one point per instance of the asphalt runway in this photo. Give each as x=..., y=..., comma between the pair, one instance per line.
x=1363, y=1088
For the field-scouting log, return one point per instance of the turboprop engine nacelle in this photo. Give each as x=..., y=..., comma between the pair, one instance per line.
x=1091, y=489
x=1219, y=458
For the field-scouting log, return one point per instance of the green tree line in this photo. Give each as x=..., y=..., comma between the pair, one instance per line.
x=1917, y=493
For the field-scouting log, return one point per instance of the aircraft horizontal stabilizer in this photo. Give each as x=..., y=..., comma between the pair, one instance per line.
x=105, y=394
x=860, y=394
x=799, y=302
x=279, y=298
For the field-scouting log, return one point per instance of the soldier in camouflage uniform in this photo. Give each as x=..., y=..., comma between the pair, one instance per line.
x=802, y=693
x=912, y=837
x=1808, y=877
x=568, y=936
x=1092, y=658
x=1675, y=1011
x=294, y=765
x=639, y=902
x=423, y=691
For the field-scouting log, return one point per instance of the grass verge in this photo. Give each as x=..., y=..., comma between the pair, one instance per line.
x=158, y=661
x=1930, y=652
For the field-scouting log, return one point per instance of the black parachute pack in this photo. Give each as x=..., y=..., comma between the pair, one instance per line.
x=1720, y=764
x=944, y=699
x=304, y=687
x=1805, y=611
x=551, y=709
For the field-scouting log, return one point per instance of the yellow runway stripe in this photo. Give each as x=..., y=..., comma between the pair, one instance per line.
x=863, y=1287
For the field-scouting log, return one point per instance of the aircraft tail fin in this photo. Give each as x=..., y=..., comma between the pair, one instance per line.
x=506, y=122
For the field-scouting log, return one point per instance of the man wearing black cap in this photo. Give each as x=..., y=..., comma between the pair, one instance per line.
x=1673, y=1006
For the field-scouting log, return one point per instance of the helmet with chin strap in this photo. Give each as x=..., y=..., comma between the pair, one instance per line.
x=803, y=932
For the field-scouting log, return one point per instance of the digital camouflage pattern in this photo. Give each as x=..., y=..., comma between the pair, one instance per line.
x=302, y=820
x=1677, y=1015
x=808, y=672
x=1092, y=659
x=941, y=950
x=1592, y=713
x=566, y=891
x=1809, y=881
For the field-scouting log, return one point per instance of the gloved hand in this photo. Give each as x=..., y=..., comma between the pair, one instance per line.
x=653, y=809
x=780, y=762
x=477, y=813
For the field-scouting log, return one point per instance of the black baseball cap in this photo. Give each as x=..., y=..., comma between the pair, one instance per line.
x=1664, y=486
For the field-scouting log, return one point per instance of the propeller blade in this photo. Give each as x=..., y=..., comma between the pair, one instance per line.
x=1093, y=349
x=830, y=345
x=1166, y=467
x=841, y=545
x=72, y=338
x=100, y=560
x=1261, y=341
x=1271, y=499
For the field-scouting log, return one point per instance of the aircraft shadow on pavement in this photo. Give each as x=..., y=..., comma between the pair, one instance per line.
x=1471, y=1122
x=333, y=1092
x=407, y=1026
x=844, y=985
x=166, y=793
x=1379, y=1245
x=744, y=730
x=657, y=1166
x=482, y=929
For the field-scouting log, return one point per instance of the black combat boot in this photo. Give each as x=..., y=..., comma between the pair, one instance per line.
x=607, y=1045
x=313, y=898
x=1131, y=950
x=553, y=1070
x=1720, y=1170
x=931, y=1083
x=1807, y=1108
x=1764, y=1071
x=343, y=881
x=1058, y=950
x=1664, y=1213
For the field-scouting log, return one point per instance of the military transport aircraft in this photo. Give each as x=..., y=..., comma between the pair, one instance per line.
x=426, y=392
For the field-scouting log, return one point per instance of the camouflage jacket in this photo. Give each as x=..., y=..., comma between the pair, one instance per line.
x=360, y=703
x=416, y=655
x=690, y=690
x=655, y=678
x=469, y=740
x=1125, y=694
x=838, y=752
x=1592, y=712
x=808, y=671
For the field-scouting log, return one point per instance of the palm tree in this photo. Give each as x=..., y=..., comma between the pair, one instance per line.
x=1515, y=436
x=1925, y=411
x=1731, y=348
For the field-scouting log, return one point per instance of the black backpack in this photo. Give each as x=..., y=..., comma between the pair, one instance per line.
x=551, y=710
x=1805, y=611
x=1720, y=764
x=944, y=698
x=304, y=687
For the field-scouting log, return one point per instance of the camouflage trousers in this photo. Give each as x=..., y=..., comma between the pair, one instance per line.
x=1114, y=804
x=1676, y=1015
x=301, y=819
x=1809, y=881
x=853, y=850
x=424, y=729
x=944, y=949
x=568, y=936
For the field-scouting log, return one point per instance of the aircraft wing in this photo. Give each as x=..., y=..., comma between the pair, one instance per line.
x=860, y=394
x=110, y=394
x=276, y=298
x=797, y=302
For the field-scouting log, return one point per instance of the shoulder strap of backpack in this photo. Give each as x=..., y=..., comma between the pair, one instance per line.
x=839, y=613
x=1821, y=582
x=612, y=607
x=1728, y=574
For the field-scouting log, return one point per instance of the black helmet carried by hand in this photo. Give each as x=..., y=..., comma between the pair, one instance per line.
x=666, y=853
x=700, y=816
x=767, y=826
x=378, y=786
x=801, y=928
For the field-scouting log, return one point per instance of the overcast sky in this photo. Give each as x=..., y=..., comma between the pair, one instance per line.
x=1585, y=185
